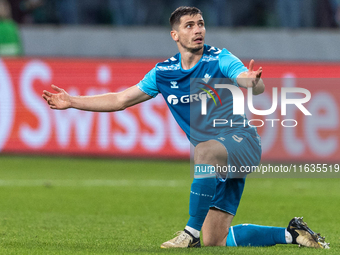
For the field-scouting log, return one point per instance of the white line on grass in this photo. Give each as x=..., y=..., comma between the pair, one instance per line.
x=94, y=183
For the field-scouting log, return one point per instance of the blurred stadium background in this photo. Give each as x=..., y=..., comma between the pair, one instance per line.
x=90, y=47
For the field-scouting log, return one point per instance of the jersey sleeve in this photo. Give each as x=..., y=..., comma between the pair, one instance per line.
x=148, y=84
x=230, y=65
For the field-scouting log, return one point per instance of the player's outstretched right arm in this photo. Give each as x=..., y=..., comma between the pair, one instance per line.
x=109, y=102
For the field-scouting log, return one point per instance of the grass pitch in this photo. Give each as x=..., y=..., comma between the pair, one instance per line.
x=101, y=206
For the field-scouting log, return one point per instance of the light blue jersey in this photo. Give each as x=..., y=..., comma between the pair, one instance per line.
x=182, y=90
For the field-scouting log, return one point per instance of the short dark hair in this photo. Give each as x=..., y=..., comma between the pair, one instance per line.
x=182, y=11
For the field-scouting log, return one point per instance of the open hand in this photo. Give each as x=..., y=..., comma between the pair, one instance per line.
x=253, y=77
x=58, y=101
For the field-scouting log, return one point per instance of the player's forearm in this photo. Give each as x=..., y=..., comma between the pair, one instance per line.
x=99, y=103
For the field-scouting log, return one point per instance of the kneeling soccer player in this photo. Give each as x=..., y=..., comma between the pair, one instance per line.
x=213, y=201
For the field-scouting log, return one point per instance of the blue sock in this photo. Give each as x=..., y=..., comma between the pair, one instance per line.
x=255, y=235
x=202, y=191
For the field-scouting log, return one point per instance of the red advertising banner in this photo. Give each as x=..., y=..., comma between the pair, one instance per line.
x=27, y=125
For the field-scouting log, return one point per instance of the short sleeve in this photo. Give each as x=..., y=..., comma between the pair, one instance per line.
x=148, y=84
x=230, y=65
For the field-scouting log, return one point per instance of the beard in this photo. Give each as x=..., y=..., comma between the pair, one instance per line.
x=192, y=49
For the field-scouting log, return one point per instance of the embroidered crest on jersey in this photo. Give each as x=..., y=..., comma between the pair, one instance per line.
x=206, y=78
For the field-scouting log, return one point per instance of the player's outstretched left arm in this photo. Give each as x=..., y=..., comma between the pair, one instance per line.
x=252, y=79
